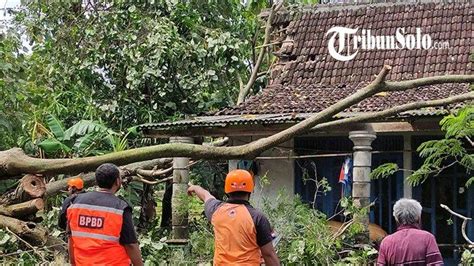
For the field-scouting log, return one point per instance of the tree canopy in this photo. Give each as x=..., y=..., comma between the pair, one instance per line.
x=122, y=62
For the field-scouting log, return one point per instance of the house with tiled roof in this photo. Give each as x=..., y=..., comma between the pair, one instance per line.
x=326, y=53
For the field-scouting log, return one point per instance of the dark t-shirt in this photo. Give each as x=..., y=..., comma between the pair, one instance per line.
x=62, y=222
x=262, y=225
x=127, y=234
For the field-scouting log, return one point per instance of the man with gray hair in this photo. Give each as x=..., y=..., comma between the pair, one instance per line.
x=409, y=245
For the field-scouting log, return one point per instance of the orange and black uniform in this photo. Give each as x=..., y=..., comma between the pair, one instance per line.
x=240, y=231
x=99, y=224
x=62, y=219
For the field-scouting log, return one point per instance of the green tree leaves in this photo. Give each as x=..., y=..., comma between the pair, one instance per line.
x=384, y=170
x=125, y=63
x=441, y=154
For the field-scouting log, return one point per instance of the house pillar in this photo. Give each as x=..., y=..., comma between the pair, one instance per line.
x=233, y=164
x=179, y=205
x=407, y=166
x=362, y=158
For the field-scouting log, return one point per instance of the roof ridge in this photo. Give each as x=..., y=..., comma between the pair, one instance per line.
x=321, y=7
x=325, y=7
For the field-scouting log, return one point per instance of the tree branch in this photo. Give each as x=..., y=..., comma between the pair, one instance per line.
x=22, y=209
x=396, y=110
x=464, y=223
x=253, y=76
x=55, y=187
x=26, y=243
x=415, y=83
x=470, y=141
x=143, y=180
x=14, y=162
x=158, y=172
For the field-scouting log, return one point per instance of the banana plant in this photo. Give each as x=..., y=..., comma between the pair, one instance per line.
x=84, y=138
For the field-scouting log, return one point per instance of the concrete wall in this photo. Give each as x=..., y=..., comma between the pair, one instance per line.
x=279, y=172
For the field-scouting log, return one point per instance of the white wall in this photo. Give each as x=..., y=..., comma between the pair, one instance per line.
x=279, y=172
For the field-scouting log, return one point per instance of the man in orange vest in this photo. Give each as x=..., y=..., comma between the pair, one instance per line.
x=74, y=187
x=242, y=234
x=100, y=224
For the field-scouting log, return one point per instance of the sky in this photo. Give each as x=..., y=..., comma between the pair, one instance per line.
x=7, y=4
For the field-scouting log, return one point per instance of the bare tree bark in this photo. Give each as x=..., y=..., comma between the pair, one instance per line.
x=14, y=162
x=30, y=187
x=29, y=231
x=22, y=209
x=244, y=90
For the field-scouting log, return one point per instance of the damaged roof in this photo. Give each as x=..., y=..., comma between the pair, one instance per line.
x=306, y=78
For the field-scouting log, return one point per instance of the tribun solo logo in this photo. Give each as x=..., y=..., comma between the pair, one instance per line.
x=344, y=43
x=91, y=221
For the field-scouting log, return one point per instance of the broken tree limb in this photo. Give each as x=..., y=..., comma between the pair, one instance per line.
x=244, y=91
x=378, y=85
x=27, y=244
x=30, y=187
x=148, y=182
x=464, y=222
x=23, y=209
x=159, y=172
x=154, y=173
x=14, y=161
x=146, y=165
x=396, y=110
x=29, y=231
x=55, y=187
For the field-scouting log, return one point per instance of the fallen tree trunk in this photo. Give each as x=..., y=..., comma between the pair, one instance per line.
x=29, y=231
x=14, y=162
x=144, y=167
x=22, y=209
x=30, y=187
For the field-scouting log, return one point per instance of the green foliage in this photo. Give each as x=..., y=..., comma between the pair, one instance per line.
x=8, y=243
x=360, y=256
x=467, y=257
x=84, y=138
x=210, y=175
x=441, y=154
x=306, y=238
x=15, y=252
x=126, y=63
x=384, y=170
x=460, y=125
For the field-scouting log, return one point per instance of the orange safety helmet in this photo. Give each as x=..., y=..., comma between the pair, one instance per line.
x=76, y=182
x=238, y=180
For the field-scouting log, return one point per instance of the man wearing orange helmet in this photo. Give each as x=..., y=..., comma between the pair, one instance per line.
x=74, y=187
x=242, y=234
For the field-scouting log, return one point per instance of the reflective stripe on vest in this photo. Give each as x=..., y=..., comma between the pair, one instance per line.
x=98, y=222
x=95, y=236
x=95, y=208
